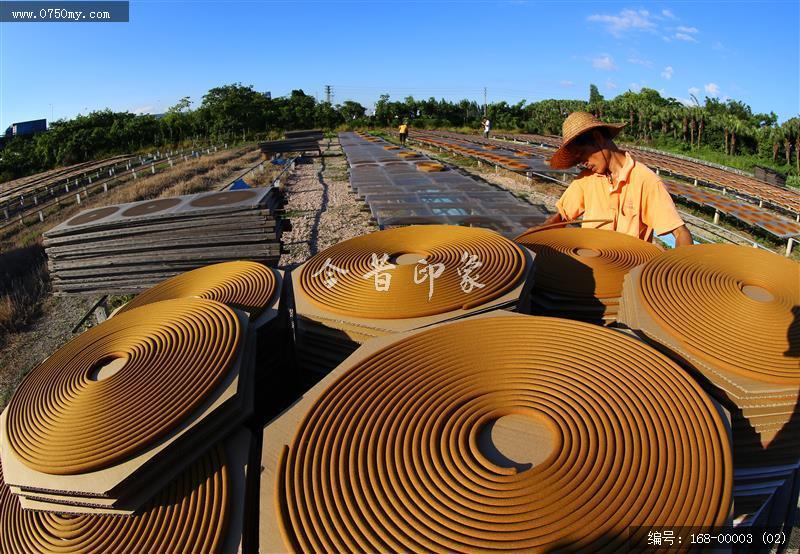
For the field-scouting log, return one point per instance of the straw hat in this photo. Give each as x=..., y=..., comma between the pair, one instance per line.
x=576, y=124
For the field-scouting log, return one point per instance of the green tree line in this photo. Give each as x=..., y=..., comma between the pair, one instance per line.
x=722, y=131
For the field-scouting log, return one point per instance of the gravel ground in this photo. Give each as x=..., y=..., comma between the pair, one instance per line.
x=321, y=208
x=23, y=351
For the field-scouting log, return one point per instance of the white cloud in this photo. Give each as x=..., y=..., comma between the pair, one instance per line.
x=635, y=87
x=694, y=90
x=667, y=73
x=667, y=13
x=604, y=62
x=712, y=88
x=639, y=61
x=627, y=20
x=566, y=83
x=690, y=30
x=685, y=37
x=611, y=85
x=718, y=46
x=142, y=110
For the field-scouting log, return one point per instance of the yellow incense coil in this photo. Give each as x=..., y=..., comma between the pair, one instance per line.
x=429, y=167
x=188, y=515
x=503, y=267
x=585, y=263
x=390, y=457
x=735, y=307
x=69, y=416
x=243, y=285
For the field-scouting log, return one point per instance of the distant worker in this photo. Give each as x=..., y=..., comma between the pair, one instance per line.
x=614, y=186
x=487, y=126
x=403, y=130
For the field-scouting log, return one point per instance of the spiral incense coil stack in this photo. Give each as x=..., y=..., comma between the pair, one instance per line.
x=161, y=527
x=406, y=447
x=340, y=303
x=730, y=313
x=127, y=404
x=200, y=510
x=579, y=272
x=250, y=287
x=243, y=285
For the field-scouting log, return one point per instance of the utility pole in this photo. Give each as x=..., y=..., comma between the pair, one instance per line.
x=484, y=102
x=328, y=93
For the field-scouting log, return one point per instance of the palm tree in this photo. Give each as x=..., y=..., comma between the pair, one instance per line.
x=787, y=132
x=675, y=117
x=701, y=124
x=645, y=113
x=738, y=128
x=793, y=125
x=664, y=117
x=728, y=122
x=629, y=107
x=776, y=137
x=797, y=149
x=685, y=122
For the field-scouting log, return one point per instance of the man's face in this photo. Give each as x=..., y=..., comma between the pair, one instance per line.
x=588, y=151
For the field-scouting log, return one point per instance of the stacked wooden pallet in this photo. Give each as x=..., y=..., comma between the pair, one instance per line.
x=299, y=144
x=315, y=134
x=130, y=247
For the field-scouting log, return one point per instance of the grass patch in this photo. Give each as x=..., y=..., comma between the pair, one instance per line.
x=24, y=282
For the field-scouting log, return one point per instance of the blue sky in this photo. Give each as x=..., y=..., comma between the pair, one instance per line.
x=452, y=49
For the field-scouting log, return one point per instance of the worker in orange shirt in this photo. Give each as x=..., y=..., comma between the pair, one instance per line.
x=403, y=131
x=614, y=186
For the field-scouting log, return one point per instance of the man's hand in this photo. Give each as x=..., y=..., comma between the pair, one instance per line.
x=682, y=236
x=555, y=218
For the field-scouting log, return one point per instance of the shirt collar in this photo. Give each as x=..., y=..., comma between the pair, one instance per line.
x=624, y=173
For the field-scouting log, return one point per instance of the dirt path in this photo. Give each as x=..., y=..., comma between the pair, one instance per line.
x=321, y=208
